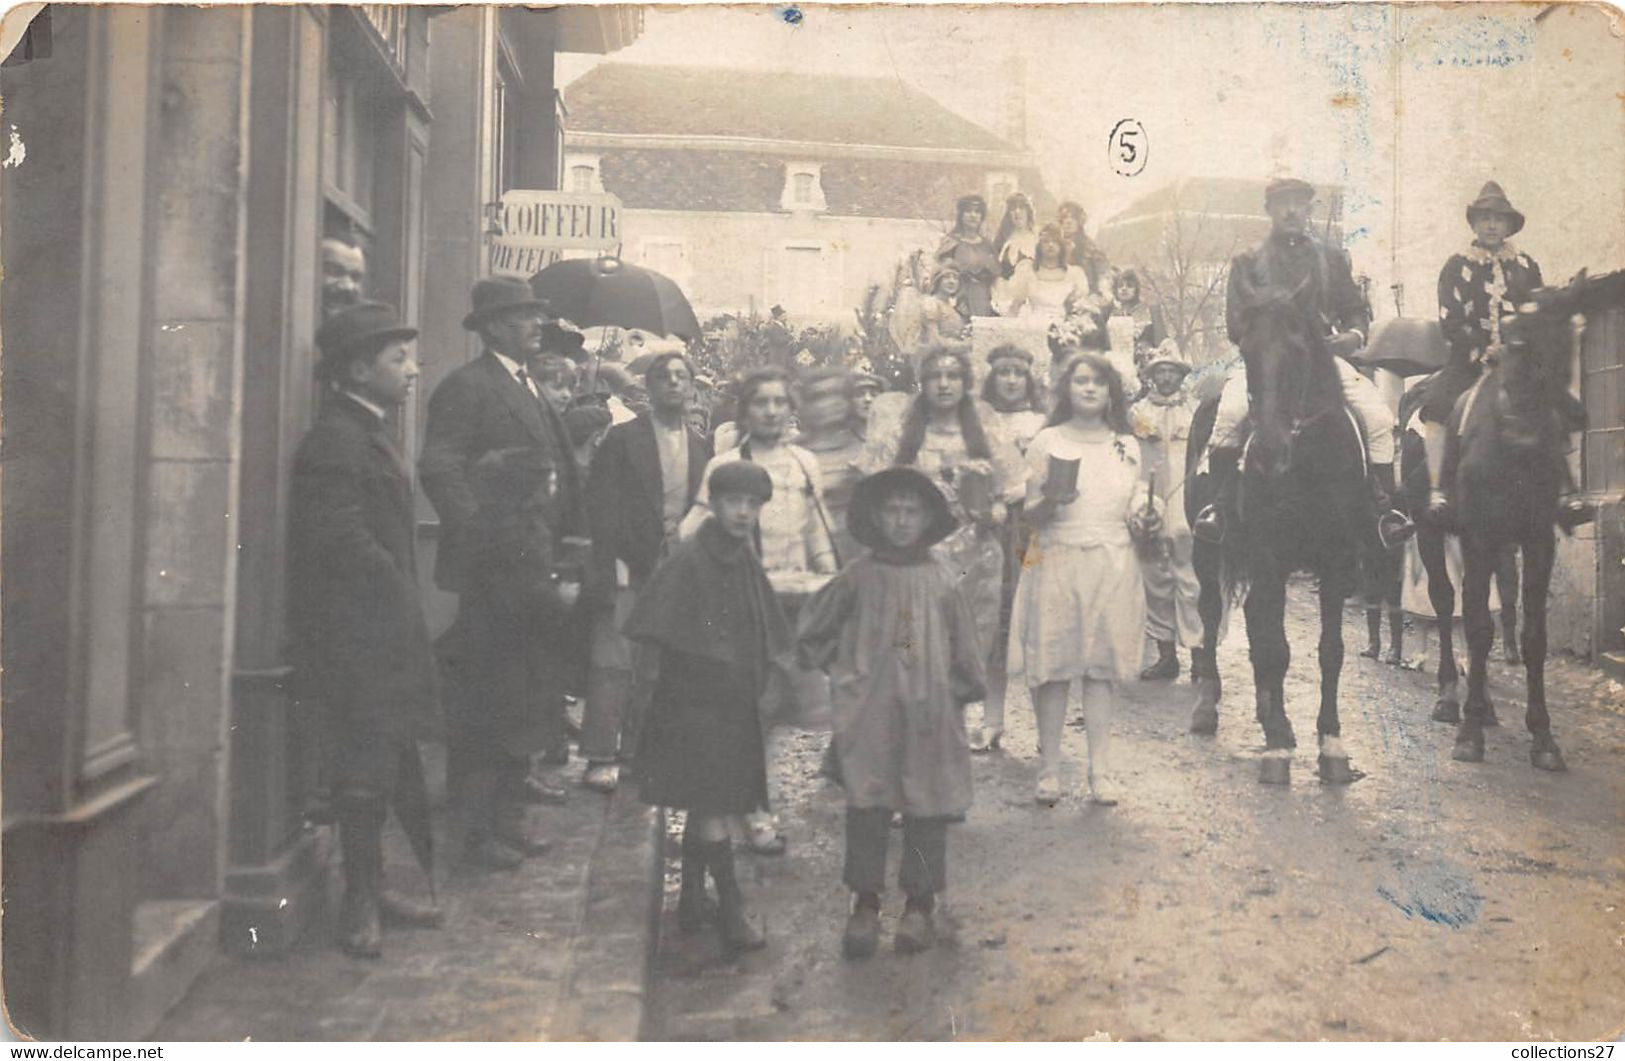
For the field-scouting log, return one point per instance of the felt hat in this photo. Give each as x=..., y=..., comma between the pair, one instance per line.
x=496, y=295
x=1287, y=186
x=936, y=276
x=740, y=477
x=861, y=516
x=1492, y=200
x=356, y=330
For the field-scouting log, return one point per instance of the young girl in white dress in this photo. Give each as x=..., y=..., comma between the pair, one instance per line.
x=1079, y=611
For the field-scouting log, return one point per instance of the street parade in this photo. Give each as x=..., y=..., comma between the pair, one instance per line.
x=789, y=552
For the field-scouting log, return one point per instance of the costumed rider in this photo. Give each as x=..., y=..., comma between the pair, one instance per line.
x=1479, y=290
x=1320, y=279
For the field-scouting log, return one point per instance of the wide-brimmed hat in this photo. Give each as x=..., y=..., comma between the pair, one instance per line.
x=496, y=295
x=564, y=342
x=867, y=495
x=1284, y=186
x=356, y=330
x=1167, y=353
x=1492, y=200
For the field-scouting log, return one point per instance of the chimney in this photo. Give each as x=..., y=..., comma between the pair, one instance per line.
x=1013, y=73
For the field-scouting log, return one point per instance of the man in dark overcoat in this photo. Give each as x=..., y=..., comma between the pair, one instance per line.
x=505, y=678
x=363, y=664
x=644, y=477
x=1320, y=280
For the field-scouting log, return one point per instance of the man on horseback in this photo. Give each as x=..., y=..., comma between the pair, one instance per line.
x=1479, y=290
x=1319, y=279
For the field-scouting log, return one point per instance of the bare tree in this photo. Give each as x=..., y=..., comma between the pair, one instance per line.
x=1185, y=275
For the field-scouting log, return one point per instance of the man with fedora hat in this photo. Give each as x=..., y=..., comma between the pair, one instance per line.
x=363, y=664
x=485, y=410
x=1478, y=290
x=1291, y=263
x=1162, y=422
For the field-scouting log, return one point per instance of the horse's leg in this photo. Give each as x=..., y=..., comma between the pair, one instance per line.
x=1506, y=584
x=1430, y=543
x=1267, y=647
x=1478, y=560
x=1206, y=558
x=1334, y=761
x=1537, y=575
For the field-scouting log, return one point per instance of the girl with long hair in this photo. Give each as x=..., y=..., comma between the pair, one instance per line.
x=1080, y=249
x=1046, y=287
x=1079, y=610
x=1015, y=398
x=1017, y=238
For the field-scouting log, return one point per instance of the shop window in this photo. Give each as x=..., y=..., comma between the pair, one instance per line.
x=803, y=187
x=351, y=129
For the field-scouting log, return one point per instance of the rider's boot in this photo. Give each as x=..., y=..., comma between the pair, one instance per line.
x=1209, y=525
x=1393, y=526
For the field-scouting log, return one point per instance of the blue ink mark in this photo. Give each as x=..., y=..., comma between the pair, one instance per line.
x=1439, y=893
x=792, y=15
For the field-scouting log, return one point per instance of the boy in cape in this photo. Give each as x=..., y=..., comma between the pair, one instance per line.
x=899, y=642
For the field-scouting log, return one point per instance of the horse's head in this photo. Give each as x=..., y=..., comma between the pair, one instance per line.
x=1534, y=359
x=1290, y=375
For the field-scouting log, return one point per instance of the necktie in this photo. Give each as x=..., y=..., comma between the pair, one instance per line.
x=525, y=381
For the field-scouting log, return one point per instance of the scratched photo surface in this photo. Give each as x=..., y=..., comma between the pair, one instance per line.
x=382, y=659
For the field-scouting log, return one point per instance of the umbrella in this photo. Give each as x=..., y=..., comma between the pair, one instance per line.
x=1409, y=346
x=591, y=292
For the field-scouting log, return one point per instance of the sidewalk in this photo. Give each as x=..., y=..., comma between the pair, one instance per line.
x=557, y=950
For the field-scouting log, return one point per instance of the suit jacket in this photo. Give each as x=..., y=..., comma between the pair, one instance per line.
x=360, y=645
x=625, y=496
x=477, y=410
x=1321, y=276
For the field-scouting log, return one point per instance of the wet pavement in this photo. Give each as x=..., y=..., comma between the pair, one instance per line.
x=1429, y=900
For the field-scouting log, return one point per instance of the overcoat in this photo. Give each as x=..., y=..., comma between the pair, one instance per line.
x=362, y=660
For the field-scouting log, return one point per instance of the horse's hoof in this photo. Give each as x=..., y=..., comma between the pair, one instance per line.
x=1489, y=716
x=1275, y=771
x=1513, y=658
x=1204, y=722
x=1335, y=771
x=1469, y=745
x=1546, y=756
x=1447, y=711
x=1372, y=653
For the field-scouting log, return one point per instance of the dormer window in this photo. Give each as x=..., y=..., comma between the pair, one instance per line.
x=581, y=174
x=803, y=187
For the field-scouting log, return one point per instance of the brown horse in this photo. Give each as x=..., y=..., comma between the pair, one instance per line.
x=1502, y=460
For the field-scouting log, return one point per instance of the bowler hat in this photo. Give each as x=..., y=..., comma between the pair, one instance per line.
x=1492, y=200
x=871, y=491
x=356, y=331
x=1282, y=186
x=496, y=295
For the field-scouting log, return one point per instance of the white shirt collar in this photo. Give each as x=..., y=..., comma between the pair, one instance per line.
x=508, y=363
x=371, y=406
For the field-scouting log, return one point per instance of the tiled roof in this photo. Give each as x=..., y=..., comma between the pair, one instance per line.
x=769, y=105
x=1218, y=216
x=750, y=182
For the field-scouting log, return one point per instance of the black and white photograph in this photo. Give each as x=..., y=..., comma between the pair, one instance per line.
x=599, y=523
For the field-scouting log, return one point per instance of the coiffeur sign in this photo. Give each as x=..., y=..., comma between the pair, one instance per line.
x=539, y=227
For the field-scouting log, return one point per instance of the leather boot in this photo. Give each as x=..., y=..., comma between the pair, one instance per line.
x=737, y=928
x=1396, y=636
x=1166, y=667
x=361, y=838
x=862, y=936
x=1373, y=630
x=1209, y=525
x=695, y=908
x=916, y=932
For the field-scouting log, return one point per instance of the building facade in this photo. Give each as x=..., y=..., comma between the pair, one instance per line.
x=752, y=189
x=162, y=275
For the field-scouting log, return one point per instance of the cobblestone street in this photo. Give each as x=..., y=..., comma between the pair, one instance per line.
x=1431, y=899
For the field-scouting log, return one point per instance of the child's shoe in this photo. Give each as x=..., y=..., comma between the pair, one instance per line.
x=916, y=932
x=862, y=935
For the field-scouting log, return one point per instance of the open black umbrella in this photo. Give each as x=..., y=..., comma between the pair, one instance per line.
x=597, y=291
x=1410, y=346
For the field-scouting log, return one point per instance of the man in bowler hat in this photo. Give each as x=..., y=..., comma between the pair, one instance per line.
x=363, y=664
x=506, y=674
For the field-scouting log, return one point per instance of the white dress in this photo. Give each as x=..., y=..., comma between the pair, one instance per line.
x=1043, y=295
x=1079, y=610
